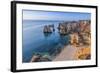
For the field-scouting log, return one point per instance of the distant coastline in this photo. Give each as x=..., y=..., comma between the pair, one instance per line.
x=56, y=20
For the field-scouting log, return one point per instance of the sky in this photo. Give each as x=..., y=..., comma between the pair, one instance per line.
x=50, y=15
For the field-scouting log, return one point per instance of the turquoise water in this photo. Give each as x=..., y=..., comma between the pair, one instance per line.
x=35, y=41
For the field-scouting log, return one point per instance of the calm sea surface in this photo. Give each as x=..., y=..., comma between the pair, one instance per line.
x=35, y=41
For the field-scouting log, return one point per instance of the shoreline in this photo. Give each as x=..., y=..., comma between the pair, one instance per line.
x=71, y=52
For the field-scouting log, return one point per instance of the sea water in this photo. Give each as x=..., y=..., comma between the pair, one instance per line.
x=36, y=41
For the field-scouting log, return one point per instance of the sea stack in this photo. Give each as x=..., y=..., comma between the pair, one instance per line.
x=47, y=29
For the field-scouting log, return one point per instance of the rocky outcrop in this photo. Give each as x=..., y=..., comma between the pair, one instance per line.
x=74, y=39
x=85, y=31
x=80, y=31
x=40, y=58
x=83, y=53
x=62, y=29
x=67, y=27
x=48, y=29
x=74, y=26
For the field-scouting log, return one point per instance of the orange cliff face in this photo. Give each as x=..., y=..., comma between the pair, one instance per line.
x=74, y=39
x=83, y=54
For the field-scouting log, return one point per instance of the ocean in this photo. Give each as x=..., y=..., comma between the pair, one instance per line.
x=36, y=42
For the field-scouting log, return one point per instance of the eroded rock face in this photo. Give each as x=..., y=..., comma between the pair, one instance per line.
x=74, y=39
x=79, y=31
x=83, y=53
x=74, y=26
x=68, y=27
x=62, y=29
x=85, y=32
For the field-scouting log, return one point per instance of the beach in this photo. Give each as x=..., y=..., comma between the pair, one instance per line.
x=71, y=52
x=66, y=54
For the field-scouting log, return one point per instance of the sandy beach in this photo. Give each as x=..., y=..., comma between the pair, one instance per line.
x=71, y=53
x=66, y=54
